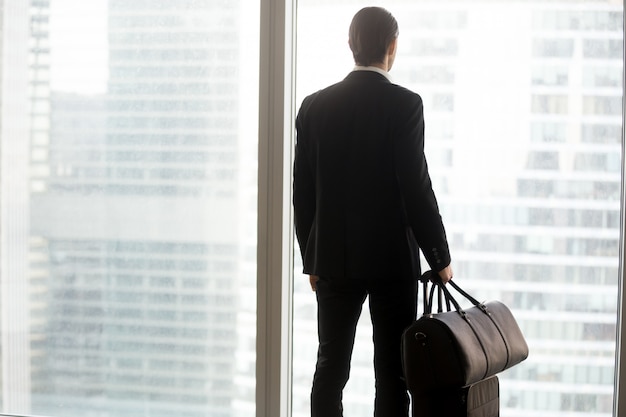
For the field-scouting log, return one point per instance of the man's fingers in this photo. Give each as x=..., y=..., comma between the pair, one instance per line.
x=446, y=274
x=313, y=281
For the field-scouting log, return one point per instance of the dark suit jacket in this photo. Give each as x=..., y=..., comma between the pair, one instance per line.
x=363, y=198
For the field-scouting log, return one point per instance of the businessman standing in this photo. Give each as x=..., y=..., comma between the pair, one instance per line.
x=364, y=206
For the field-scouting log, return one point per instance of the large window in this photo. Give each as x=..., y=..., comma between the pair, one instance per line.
x=128, y=198
x=144, y=201
x=523, y=112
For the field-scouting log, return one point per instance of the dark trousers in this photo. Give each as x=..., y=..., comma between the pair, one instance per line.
x=393, y=305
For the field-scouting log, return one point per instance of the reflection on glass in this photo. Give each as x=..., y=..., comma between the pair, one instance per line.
x=523, y=104
x=141, y=266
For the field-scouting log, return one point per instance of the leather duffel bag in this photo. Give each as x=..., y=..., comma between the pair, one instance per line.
x=459, y=347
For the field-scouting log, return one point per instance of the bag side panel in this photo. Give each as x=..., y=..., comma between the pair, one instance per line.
x=518, y=348
x=430, y=357
x=471, y=353
x=494, y=345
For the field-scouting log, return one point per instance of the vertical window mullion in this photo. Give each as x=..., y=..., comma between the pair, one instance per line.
x=620, y=352
x=275, y=243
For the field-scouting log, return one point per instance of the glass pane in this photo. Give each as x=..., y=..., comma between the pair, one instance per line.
x=140, y=249
x=523, y=113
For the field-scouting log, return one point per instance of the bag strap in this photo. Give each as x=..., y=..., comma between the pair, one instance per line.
x=464, y=293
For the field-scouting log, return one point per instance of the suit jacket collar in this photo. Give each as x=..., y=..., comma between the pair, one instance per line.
x=366, y=74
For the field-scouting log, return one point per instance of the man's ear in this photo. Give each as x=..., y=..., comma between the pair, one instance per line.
x=391, y=49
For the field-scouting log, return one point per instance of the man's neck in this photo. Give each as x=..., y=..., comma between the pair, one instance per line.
x=381, y=65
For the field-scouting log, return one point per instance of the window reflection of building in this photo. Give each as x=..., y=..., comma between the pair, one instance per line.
x=135, y=251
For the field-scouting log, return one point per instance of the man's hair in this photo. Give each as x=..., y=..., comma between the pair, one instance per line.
x=371, y=31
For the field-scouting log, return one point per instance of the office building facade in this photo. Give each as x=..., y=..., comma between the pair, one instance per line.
x=137, y=247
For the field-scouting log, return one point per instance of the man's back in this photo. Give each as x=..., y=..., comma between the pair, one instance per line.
x=355, y=139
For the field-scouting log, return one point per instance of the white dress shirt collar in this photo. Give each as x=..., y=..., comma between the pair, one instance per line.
x=372, y=68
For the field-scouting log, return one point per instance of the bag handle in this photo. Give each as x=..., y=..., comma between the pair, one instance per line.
x=443, y=292
x=429, y=295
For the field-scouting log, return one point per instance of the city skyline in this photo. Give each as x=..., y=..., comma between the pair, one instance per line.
x=139, y=266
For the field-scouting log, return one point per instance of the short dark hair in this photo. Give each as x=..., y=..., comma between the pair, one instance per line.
x=371, y=32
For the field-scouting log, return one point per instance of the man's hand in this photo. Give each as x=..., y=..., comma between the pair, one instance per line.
x=313, y=281
x=446, y=274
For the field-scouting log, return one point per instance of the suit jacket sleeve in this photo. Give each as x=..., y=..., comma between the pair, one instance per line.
x=303, y=184
x=416, y=187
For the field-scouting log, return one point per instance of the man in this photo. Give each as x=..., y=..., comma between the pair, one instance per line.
x=363, y=203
